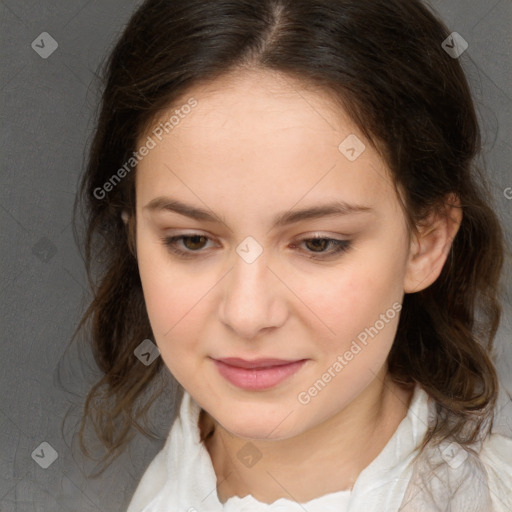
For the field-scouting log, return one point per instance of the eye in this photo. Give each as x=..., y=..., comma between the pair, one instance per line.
x=194, y=243
x=318, y=245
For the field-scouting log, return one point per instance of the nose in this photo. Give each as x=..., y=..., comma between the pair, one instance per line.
x=253, y=298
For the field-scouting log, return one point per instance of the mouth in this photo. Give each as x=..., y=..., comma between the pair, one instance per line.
x=258, y=374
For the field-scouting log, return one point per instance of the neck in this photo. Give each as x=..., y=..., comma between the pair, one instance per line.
x=329, y=457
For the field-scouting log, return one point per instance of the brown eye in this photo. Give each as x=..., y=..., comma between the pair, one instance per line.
x=192, y=243
x=318, y=246
x=197, y=240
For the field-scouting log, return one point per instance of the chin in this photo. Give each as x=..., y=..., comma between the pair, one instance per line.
x=254, y=424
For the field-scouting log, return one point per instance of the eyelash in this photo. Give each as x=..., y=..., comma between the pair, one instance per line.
x=340, y=246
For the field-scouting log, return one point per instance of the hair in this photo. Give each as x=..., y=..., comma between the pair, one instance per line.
x=380, y=60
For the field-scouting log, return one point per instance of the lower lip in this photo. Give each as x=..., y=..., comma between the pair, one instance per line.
x=257, y=380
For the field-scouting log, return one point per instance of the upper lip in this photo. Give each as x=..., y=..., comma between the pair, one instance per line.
x=256, y=363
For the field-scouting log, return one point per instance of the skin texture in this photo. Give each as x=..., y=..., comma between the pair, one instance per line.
x=258, y=144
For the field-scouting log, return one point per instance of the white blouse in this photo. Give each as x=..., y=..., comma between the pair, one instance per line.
x=181, y=477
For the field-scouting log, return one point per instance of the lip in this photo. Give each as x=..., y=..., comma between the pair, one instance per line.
x=258, y=374
x=255, y=363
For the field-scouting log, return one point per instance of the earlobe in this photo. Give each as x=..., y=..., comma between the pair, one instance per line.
x=431, y=246
x=124, y=216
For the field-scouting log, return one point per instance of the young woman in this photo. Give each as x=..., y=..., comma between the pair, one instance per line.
x=288, y=218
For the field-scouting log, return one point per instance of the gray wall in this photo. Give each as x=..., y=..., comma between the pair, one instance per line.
x=47, y=112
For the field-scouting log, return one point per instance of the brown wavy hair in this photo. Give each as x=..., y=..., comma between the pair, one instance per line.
x=382, y=60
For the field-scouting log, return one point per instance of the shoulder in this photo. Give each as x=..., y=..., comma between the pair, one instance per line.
x=496, y=456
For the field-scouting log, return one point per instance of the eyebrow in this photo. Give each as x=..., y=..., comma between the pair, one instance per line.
x=336, y=208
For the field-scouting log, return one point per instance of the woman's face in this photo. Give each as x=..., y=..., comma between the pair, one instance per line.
x=251, y=284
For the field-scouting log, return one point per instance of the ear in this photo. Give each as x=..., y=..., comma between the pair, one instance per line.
x=430, y=249
x=130, y=225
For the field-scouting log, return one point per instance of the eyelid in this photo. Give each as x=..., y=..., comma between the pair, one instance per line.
x=302, y=236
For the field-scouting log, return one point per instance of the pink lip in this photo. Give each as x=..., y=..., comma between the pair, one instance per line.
x=258, y=374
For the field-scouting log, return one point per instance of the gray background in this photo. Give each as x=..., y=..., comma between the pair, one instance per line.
x=48, y=107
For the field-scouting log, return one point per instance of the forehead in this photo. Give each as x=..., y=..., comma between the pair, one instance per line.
x=263, y=133
x=257, y=103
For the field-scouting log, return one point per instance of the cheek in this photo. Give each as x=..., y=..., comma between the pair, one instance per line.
x=175, y=316
x=349, y=296
x=174, y=310
x=173, y=298
x=355, y=311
